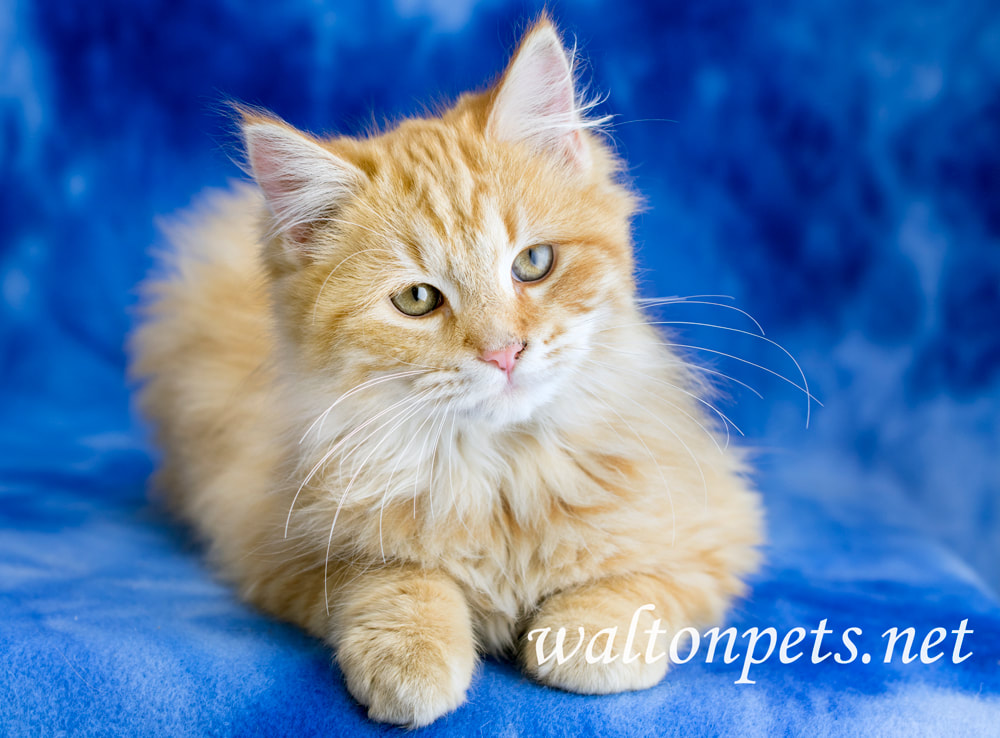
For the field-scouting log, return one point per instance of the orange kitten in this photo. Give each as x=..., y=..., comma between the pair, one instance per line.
x=406, y=396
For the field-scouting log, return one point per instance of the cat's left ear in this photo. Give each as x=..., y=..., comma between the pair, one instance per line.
x=303, y=182
x=535, y=102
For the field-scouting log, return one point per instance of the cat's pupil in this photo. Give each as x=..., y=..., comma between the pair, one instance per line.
x=419, y=293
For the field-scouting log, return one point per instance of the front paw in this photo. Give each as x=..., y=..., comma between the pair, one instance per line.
x=410, y=660
x=597, y=655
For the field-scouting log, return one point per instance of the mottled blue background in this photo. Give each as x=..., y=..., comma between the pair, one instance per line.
x=832, y=166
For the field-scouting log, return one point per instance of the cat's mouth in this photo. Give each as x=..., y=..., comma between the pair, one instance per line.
x=506, y=400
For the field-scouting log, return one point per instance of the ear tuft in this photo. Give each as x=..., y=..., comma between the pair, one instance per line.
x=536, y=101
x=302, y=181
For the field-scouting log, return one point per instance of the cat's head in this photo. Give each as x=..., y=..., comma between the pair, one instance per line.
x=480, y=249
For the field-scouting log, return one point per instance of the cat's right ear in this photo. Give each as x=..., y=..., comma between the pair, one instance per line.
x=302, y=181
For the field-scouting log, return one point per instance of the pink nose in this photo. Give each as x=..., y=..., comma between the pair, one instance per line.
x=505, y=357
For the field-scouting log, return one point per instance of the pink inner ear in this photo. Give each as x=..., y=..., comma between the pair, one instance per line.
x=301, y=180
x=278, y=187
x=537, y=101
x=562, y=103
x=555, y=82
x=265, y=168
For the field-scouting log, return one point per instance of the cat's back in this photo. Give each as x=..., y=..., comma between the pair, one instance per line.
x=201, y=349
x=204, y=307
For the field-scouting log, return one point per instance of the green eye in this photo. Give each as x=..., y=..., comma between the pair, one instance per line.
x=417, y=300
x=533, y=263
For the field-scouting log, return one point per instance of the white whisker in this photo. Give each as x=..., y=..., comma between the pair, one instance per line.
x=395, y=468
x=357, y=388
x=333, y=450
x=346, y=492
x=726, y=421
x=420, y=396
x=687, y=301
x=689, y=365
x=644, y=300
x=804, y=389
x=748, y=362
x=697, y=368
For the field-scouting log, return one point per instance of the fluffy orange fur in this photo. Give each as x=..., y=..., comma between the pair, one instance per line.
x=367, y=474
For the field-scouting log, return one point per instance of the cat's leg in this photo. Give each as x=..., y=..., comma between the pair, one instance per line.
x=405, y=644
x=618, y=605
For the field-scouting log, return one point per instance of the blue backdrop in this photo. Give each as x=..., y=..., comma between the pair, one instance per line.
x=834, y=167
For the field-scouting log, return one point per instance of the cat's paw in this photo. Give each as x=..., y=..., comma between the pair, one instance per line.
x=409, y=662
x=405, y=679
x=595, y=662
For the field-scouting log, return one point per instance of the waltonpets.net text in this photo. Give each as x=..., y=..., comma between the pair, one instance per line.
x=761, y=645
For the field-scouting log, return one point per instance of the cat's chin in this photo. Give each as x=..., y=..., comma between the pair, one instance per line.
x=512, y=405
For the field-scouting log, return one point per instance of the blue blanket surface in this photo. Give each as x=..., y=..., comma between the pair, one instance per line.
x=833, y=168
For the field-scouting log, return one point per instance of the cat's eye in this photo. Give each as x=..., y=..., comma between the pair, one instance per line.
x=417, y=300
x=533, y=263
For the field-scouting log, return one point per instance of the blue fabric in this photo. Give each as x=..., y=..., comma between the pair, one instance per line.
x=833, y=166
